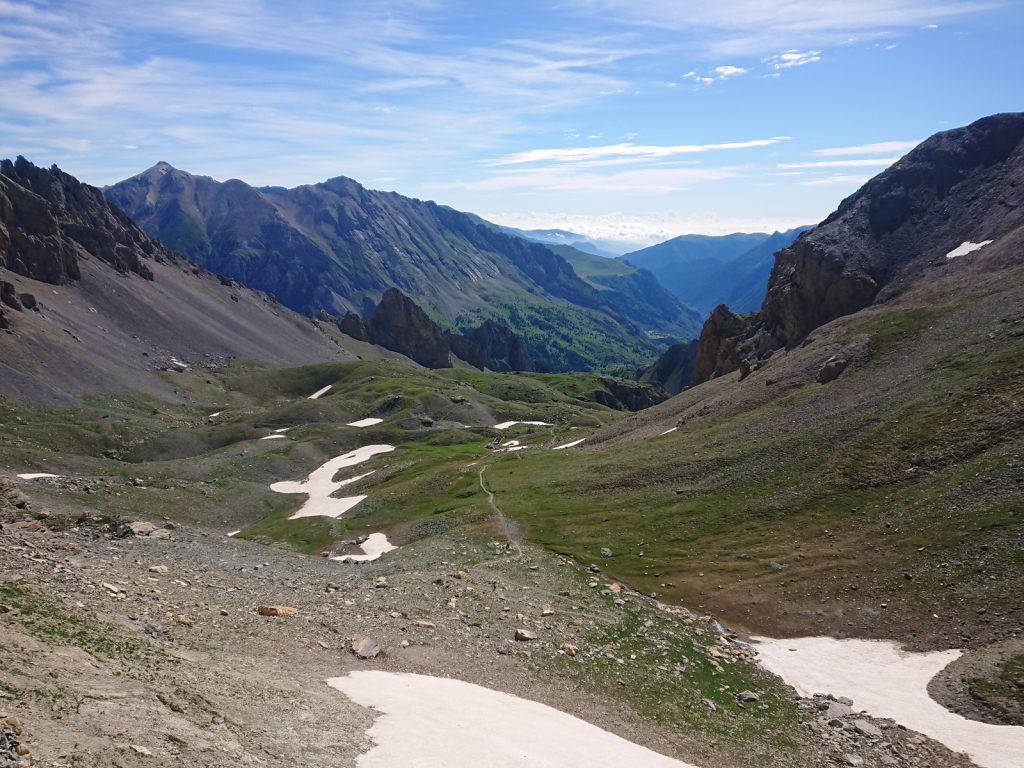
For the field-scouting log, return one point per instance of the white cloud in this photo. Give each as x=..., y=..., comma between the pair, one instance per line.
x=625, y=150
x=862, y=162
x=642, y=230
x=728, y=71
x=792, y=58
x=868, y=149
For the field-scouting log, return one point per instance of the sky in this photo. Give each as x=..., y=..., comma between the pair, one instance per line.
x=630, y=120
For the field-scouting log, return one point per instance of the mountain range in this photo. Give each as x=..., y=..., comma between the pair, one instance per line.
x=337, y=247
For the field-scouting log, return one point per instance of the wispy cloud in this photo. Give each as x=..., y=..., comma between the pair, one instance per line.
x=792, y=58
x=861, y=162
x=867, y=149
x=632, y=151
x=723, y=72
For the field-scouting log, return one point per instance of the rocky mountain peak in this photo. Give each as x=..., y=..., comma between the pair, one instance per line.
x=960, y=185
x=50, y=220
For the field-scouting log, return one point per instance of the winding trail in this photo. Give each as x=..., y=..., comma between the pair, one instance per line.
x=511, y=529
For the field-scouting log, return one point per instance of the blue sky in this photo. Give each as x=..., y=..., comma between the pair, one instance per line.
x=616, y=118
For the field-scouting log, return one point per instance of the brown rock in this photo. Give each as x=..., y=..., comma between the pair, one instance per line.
x=831, y=369
x=276, y=610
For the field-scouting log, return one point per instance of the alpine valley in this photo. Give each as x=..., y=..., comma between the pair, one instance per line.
x=327, y=476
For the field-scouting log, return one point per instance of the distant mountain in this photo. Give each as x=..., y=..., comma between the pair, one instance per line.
x=91, y=304
x=636, y=291
x=706, y=270
x=338, y=247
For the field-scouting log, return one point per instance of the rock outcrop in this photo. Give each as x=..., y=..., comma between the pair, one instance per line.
x=960, y=185
x=399, y=324
x=50, y=220
x=673, y=371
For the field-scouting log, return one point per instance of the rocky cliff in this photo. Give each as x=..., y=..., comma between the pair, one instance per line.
x=50, y=220
x=963, y=185
x=400, y=325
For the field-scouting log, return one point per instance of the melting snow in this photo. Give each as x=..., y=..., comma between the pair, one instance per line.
x=273, y=437
x=36, y=475
x=668, y=431
x=321, y=484
x=966, y=247
x=376, y=544
x=365, y=422
x=507, y=424
x=886, y=681
x=433, y=721
x=235, y=533
x=215, y=415
x=320, y=392
x=569, y=445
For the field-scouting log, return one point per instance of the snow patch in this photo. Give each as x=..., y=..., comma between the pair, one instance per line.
x=235, y=533
x=281, y=431
x=668, y=431
x=321, y=484
x=376, y=544
x=966, y=247
x=320, y=393
x=365, y=422
x=215, y=415
x=36, y=475
x=433, y=721
x=507, y=424
x=569, y=445
x=886, y=681
x=273, y=437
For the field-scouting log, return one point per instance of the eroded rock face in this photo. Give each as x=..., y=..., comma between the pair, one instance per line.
x=492, y=346
x=49, y=220
x=400, y=325
x=673, y=371
x=961, y=185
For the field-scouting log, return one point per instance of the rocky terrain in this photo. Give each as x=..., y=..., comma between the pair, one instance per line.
x=147, y=645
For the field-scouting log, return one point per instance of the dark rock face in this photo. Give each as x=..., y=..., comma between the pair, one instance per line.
x=353, y=325
x=49, y=220
x=959, y=185
x=722, y=343
x=673, y=371
x=492, y=346
x=400, y=325
x=9, y=296
x=626, y=395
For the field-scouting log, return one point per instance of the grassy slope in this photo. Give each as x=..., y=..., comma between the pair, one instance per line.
x=868, y=506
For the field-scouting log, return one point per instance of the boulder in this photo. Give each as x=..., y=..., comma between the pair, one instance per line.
x=364, y=647
x=831, y=369
x=276, y=610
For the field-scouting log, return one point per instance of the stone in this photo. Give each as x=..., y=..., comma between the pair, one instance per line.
x=524, y=635
x=865, y=728
x=605, y=552
x=158, y=569
x=569, y=649
x=855, y=761
x=140, y=750
x=365, y=647
x=139, y=528
x=276, y=610
x=831, y=369
x=837, y=709
x=709, y=704
x=747, y=696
